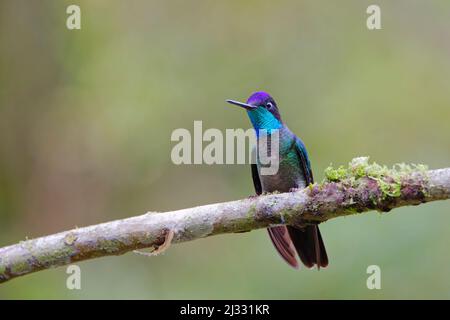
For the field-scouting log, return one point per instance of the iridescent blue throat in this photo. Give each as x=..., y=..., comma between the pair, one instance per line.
x=262, y=118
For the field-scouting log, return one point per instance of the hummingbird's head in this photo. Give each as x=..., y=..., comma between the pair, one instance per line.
x=262, y=110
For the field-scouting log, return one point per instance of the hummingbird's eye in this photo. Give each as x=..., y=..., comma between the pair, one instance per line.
x=269, y=105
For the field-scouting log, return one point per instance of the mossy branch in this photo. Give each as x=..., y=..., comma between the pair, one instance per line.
x=358, y=188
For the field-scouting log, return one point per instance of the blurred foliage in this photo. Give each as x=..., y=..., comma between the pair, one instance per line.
x=86, y=118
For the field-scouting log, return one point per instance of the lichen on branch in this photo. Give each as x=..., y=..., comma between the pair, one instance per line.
x=391, y=182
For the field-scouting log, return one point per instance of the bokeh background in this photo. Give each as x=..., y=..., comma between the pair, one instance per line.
x=86, y=118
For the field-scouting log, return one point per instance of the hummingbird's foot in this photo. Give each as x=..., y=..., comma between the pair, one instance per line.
x=293, y=189
x=159, y=248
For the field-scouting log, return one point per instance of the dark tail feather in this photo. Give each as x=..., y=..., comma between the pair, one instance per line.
x=280, y=239
x=309, y=246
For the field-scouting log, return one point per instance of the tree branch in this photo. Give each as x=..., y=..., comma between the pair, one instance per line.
x=360, y=187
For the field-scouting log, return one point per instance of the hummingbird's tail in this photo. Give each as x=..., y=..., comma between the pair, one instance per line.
x=309, y=245
x=283, y=243
x=307, y=242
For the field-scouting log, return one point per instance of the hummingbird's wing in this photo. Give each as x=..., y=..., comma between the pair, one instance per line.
x=279, y=235
x=256, y=181
x=308, y=241
x=302, y=154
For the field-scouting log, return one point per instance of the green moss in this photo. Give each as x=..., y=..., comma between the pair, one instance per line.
x=351, y=210
x=2, y=269
x=252, y=211
x=54, y=258
x=388, y=179
x=20, y=268
x=338, y=174
x=110, y=246
x=392, y=189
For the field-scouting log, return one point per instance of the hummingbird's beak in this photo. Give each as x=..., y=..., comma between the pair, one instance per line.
x=241, y=104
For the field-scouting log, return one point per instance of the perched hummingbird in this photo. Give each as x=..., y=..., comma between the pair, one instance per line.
x=294, y=171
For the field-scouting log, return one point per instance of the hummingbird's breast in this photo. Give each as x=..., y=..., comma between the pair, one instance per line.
x=290, y=173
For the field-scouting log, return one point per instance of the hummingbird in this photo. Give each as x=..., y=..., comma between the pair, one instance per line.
x=294, y=172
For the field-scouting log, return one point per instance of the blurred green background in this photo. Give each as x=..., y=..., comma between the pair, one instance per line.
x=86, y=118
